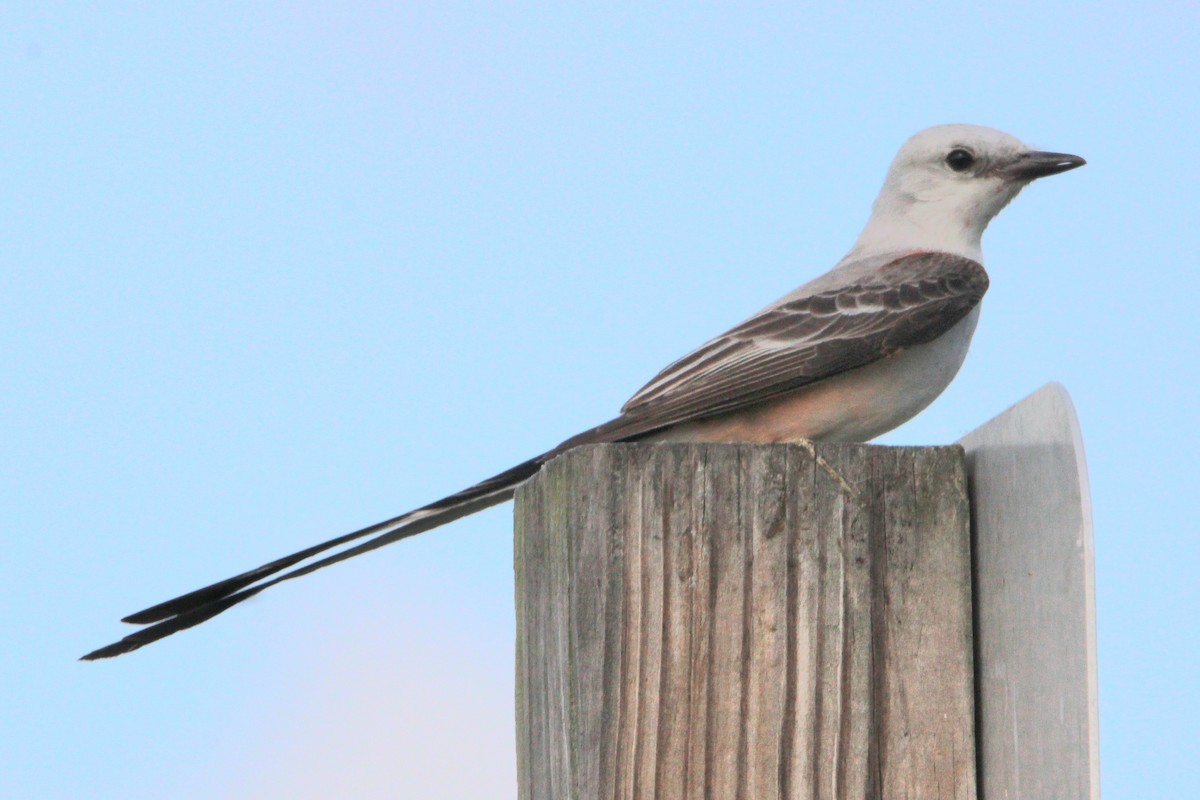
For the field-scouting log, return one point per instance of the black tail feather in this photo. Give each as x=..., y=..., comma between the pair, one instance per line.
x=200, y=605
x=216, y=591
x=173, y=625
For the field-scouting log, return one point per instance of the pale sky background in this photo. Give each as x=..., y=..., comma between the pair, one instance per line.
x=272, y=271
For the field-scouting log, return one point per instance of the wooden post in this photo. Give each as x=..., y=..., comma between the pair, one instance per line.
x=737, y=621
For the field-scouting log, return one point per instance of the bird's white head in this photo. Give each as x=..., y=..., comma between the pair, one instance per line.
x=946, y=184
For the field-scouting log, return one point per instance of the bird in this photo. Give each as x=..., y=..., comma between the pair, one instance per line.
x=846, y=357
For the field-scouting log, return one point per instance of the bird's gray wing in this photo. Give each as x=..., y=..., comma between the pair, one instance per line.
x=908, y=301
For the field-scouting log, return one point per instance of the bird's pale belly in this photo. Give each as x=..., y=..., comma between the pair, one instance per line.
x=855, y=406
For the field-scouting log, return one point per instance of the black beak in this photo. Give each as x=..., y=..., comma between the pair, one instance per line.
x=1036, y=164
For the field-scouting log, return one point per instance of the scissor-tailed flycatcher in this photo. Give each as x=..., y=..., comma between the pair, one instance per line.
x=845, y=357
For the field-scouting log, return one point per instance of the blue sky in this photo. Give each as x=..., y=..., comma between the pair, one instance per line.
x=273, y=271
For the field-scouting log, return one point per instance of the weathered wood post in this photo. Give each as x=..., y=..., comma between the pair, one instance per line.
x=781, y=622
x=736, y=621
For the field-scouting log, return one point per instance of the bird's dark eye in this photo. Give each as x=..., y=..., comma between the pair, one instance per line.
x=959, y=159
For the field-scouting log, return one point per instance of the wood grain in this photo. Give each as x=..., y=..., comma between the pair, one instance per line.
x=745, y=621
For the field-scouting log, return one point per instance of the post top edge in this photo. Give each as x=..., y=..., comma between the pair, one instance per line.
x=825, y=449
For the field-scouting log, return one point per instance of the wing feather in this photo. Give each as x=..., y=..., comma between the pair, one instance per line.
x=907, y=302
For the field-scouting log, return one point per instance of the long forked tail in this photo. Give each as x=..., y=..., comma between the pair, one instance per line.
x=195, y=607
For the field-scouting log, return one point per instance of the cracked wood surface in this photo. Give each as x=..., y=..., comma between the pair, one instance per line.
x=745, y=621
